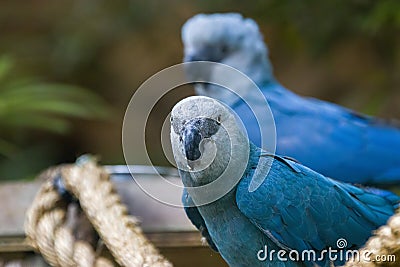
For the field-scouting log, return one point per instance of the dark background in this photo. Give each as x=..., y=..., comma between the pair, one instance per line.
x=345, y=51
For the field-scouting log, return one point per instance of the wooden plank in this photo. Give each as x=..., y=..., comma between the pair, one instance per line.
x=165, y=225
x=13, y=244
x=15, y=199
x=159, y=239
x=180, y=257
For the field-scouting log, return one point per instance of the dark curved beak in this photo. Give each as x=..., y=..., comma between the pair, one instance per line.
x=201, y=54
x=193, y=132
x=193, y=57
x=191, y=138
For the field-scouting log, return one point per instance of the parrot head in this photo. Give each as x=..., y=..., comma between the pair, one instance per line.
x=229, y=39
x=205, y=136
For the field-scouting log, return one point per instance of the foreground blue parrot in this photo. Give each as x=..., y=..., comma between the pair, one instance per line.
x=328, y=138
x=264, y=201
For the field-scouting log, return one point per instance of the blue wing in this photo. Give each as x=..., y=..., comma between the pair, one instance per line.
x=330, y=139
x=304, y=210
x=195, y=217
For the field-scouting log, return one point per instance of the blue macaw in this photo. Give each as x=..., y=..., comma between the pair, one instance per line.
x=274, y=202
x=330, y=139
x=196, y=219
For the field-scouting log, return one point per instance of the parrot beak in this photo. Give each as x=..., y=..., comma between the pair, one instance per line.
x=203, y=54
x=193, y=133
x=191, y=138
x=191, y=57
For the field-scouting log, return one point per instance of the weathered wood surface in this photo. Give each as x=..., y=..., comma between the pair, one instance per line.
x=164, y=225
x=180, y=257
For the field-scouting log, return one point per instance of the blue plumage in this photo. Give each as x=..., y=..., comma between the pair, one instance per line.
x=305, y=210
x=328, y=138
x=293, y=208
x=235, y=236
x=195, y=217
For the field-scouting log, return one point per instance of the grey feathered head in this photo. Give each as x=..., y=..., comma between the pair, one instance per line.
x=206, y=138
x=230, y=39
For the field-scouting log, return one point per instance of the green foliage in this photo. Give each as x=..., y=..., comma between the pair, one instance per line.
x=383, y=15
x=113, y=46
x=337, y=20
x=29, y=105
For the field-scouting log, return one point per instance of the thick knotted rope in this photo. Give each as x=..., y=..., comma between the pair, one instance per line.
x=382, y=249
x=48, y=231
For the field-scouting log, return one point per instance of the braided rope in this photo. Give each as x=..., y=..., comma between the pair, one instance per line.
x=382, y=249
x=47, y=231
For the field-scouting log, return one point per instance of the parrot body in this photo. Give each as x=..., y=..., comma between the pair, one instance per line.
x=276, y=202
x=330, y=139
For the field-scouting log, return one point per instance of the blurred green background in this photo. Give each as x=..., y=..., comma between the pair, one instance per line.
x=69, y=68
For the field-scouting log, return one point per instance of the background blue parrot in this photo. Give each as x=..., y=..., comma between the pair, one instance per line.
x=328, y=138
x=291, y=207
